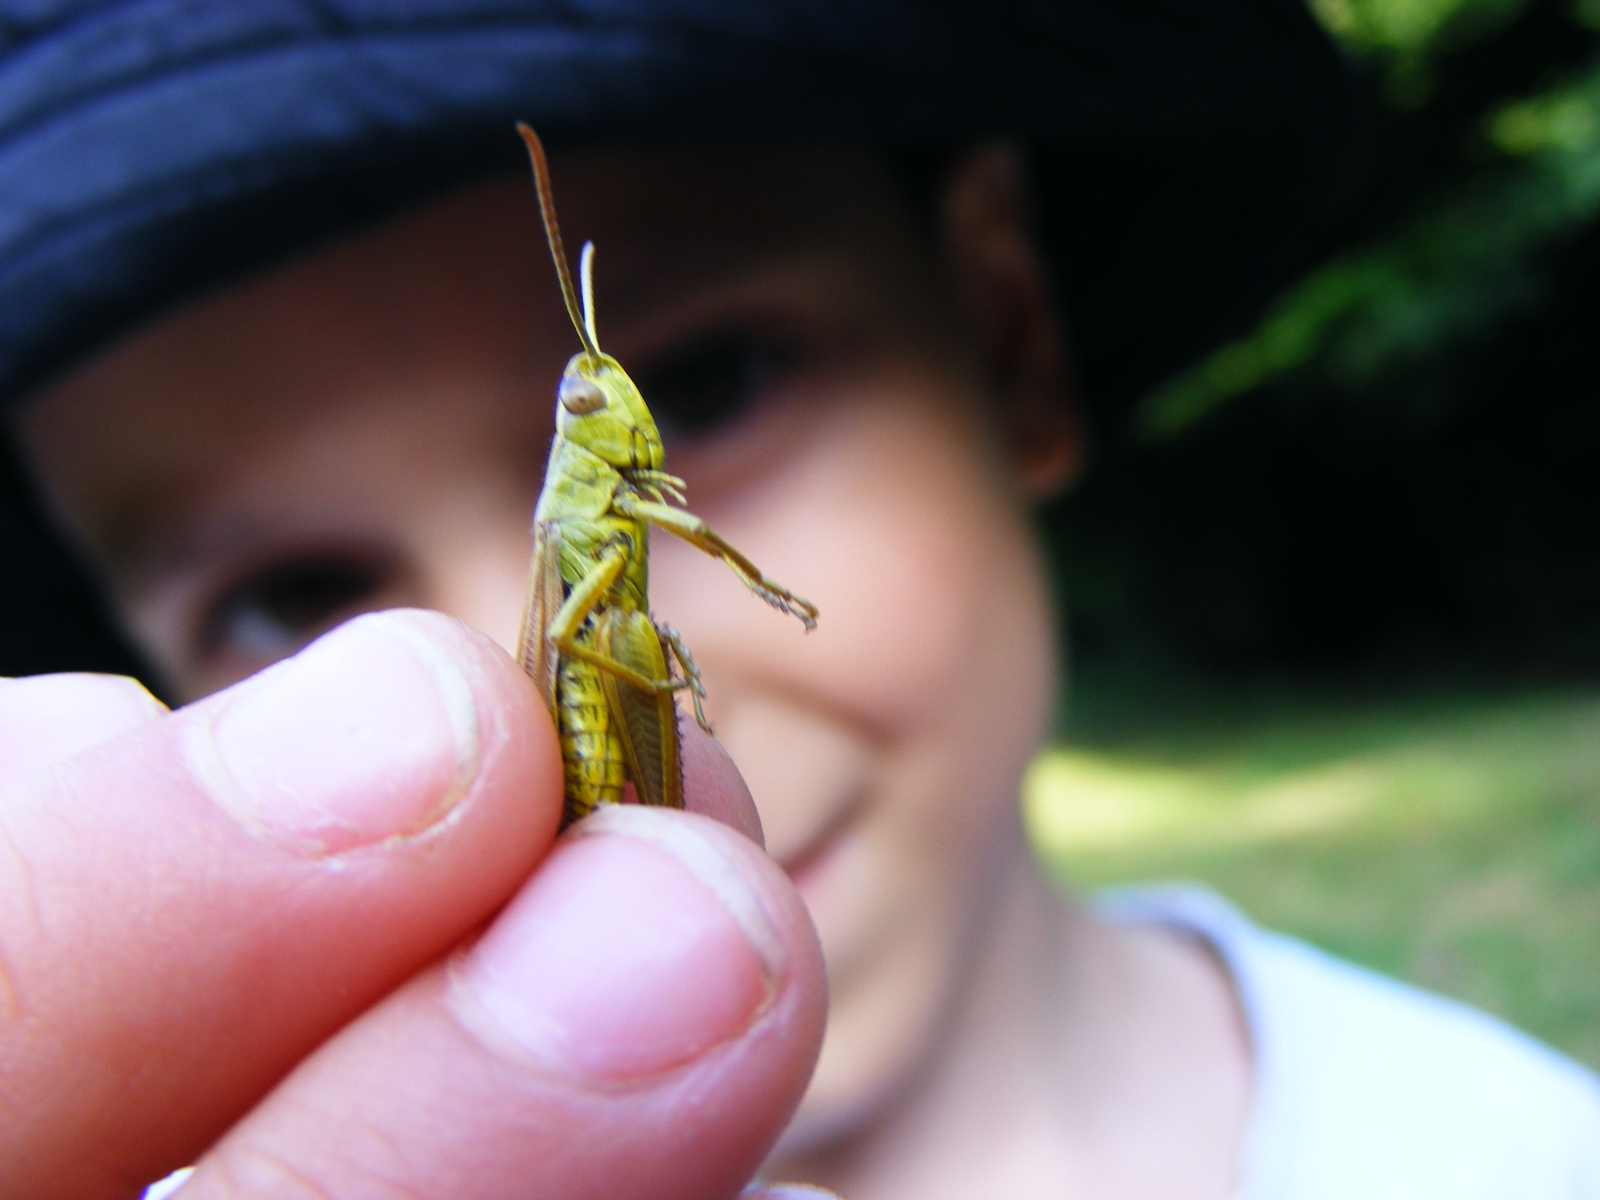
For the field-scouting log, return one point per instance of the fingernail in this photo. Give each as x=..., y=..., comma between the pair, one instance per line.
x=369, y=733
x=636, y=948
x=786, y=1191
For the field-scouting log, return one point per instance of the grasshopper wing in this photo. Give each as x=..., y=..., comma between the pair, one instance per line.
x=545, y=594
x=646, y=723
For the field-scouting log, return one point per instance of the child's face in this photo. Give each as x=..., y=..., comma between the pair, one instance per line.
x=368, y=428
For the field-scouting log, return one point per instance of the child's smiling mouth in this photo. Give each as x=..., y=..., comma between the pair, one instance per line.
x=807, y=862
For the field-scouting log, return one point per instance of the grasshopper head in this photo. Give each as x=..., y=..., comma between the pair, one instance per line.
x=600, y=409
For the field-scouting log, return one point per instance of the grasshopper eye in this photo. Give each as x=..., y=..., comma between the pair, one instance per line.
x=579, y=395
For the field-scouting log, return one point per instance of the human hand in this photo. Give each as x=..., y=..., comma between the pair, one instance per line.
x=317, y=933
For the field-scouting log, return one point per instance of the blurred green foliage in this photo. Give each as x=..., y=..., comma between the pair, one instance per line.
x=1394, y=473
x=1403, y=36
x=1526, y=176
x=1453, y=841
x=1406, y=29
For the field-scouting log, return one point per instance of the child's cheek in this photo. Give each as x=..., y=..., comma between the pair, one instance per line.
x=904, y=517
x=890, y=513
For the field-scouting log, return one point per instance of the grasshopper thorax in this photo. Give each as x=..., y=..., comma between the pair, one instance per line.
x=599, y=408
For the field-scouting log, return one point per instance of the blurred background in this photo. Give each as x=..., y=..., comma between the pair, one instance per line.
x=1335, y=601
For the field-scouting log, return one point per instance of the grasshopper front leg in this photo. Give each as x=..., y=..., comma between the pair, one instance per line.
x=698, y=534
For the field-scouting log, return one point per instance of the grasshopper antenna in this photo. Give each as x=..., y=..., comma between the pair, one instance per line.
x=586, y=282
x=558, y=252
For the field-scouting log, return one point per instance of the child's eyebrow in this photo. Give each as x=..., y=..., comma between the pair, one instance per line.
x=653, y=262
x=826, y=294
x=644, y=271
x=635, y=281
x=153, y=546
x=146, y=548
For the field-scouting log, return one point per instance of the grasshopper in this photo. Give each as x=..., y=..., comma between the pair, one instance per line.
x=603, y=663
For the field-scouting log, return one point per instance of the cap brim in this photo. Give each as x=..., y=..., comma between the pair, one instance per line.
x=1183, y=150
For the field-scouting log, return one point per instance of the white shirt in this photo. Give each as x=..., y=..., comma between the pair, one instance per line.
x=1367, y=1089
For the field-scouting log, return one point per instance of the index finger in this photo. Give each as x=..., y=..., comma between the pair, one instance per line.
x=189, y=909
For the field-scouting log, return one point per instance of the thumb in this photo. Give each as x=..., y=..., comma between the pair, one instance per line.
x=638, y=1023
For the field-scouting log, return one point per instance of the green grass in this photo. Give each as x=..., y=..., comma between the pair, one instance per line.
x=1454, y=842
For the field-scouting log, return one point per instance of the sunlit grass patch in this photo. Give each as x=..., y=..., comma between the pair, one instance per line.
x=1456, y=844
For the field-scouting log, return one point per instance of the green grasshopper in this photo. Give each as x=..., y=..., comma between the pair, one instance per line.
x=587, y=637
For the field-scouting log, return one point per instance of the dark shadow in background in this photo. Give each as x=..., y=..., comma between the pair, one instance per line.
x=1438, y=526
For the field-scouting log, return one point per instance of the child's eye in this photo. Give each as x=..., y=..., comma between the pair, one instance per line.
x=274, y=612
x=710, y=382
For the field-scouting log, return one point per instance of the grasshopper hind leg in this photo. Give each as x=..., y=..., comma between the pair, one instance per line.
x=691, y=673
x=646, y=719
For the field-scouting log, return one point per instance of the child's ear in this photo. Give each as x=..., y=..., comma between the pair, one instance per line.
x=1004, y=293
